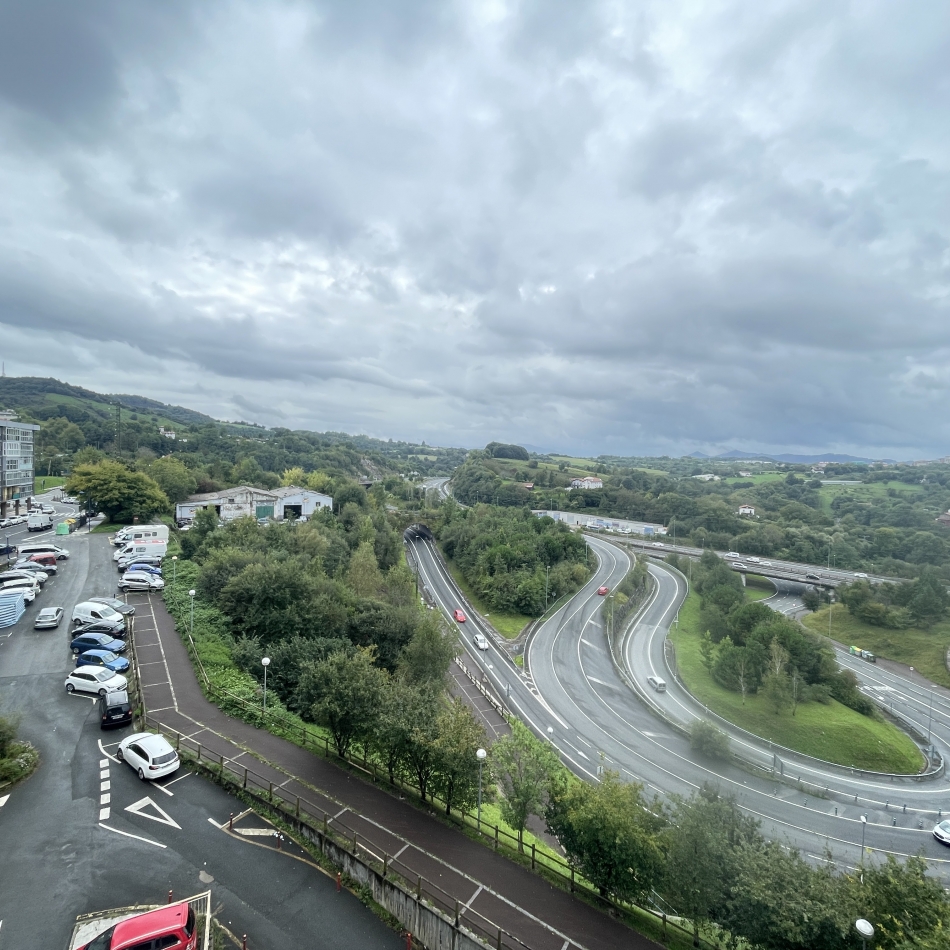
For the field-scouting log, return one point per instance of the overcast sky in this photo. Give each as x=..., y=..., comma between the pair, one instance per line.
x=619, y=227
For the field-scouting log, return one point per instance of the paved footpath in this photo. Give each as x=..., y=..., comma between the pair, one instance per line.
x=488, y=886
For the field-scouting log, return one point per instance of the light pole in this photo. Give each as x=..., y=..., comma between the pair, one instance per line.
x=930, y=714
x=547, y=574
x=174, y=569
x=864, y=827
x=191, y=594
x=265, y=662
x=865, y=931
x=480, y=754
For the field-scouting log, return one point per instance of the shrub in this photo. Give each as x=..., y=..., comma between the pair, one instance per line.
x=709, y=740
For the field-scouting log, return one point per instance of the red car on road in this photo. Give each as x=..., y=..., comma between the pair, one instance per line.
x=603, y=590
x=458, y=615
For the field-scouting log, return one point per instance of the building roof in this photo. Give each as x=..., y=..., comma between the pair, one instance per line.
x=230, y=493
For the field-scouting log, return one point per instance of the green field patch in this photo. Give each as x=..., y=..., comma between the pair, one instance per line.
x=757, y=587
x=924, y=650
x=508, y=625
x=830, y=732
x=757, y=479
x=42, y=483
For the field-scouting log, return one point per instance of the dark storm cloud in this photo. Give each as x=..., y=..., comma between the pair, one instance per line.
x=604, y=227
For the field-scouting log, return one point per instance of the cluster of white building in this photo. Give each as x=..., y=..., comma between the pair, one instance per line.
x=244, y=502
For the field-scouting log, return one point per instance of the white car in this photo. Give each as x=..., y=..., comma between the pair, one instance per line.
x=481, y=641
x=729, y=554
x=766, y=563
x=28, y=587
x=148, y=754
x=658, y=544
x=738, y=565
x=94, y=679
x=859, y=574
x=754, y=560
x=139, y=580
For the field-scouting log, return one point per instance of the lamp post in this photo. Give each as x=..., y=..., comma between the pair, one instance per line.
x=480, y=754
x=864, y=828
x=191, y=594
x=265, y=662
x=930, y=714
x=865, y=931
x=547, y=574
x=174, y=569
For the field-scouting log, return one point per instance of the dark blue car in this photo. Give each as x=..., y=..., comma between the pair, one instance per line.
x=96, y=641
x=147, y=568
x=118, y=664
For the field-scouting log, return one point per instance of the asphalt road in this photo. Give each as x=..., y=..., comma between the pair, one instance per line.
x=573, y=694
x=61, y=860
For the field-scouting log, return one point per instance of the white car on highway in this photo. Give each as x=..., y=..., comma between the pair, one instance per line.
x=481, y=641
x=149, y=755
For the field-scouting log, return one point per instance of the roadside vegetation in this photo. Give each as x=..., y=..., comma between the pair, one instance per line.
x=18, y=758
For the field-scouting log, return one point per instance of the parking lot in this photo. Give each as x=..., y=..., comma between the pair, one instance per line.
x=85, y=833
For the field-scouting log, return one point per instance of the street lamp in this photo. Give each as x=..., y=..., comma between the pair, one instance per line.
x=930, y=714
x=480, y=754
x=191, y=594
x=174, y=569
x=265, y=662
x=865, y=931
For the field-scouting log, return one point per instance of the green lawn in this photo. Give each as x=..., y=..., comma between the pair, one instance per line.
x=924, y=650
x=43, y=483
x=834, y=732
x=508, y=625
x=758, y=587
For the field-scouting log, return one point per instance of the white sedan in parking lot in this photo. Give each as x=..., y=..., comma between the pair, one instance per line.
x=94, y=679
x=149, y=755
x=139, y=580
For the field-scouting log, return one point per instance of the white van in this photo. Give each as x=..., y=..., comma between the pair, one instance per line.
x=26, y=550
x=658, y=684
x=89, y=611
x=39, y=521
x=154, y=547
x=143, y=532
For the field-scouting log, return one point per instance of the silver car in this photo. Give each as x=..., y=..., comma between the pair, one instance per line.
x=48, y=617
x=139, y=580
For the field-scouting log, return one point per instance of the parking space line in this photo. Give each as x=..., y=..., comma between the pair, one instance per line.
x=103, y=751
x=172, y=782
x=157, y=844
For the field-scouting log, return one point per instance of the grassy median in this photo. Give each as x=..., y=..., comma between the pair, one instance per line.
x=509, y=625
x=831, y=732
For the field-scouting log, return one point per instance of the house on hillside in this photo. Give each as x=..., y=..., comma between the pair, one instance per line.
x=747, y=511
x=168, y=433
x=708, y=477
x=246, y=502
x=588, y=481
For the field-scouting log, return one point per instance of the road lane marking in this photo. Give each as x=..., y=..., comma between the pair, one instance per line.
x=104, y=814
x=104, y=786
x=3, y=800
x=471, y=900
x=106, y=754
x=163, y=818
x=157, y=844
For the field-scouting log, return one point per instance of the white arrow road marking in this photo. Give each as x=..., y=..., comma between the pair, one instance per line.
x=138, y=808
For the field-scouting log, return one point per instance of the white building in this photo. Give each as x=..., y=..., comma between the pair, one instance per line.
x=747, y=510
x=708, y=477
x=588, y=481
x=247, y=502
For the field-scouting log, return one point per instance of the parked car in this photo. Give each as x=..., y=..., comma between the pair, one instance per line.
x=112, y=628
x=34, y=564
x=40, y=577
x=96, y=641
x=458, y=616
x=481, y=641
x=603, y=590
x=91, y=680
x=105, y=658
x=115, y=709
x=146, y=567
x=149, y=754
x=45, y=561
x=152, y=560
x=139, y=580
x=119, y=606
x=171, y=926
x=29, y=548
x=48, y=618
x=90, y=611
x=27, y=586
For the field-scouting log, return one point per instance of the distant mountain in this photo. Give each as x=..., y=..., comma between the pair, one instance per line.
x=188, y=417
x=786, y=457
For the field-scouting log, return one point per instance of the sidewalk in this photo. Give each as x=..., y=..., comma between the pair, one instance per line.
x=521, y=903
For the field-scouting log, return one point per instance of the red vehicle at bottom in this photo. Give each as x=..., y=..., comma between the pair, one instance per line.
x=172, y=926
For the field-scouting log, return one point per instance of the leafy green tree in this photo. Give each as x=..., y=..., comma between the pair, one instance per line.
x=426, y=658
x=460, y=736
x=525, y=768
x=421, y=750
x=173, y=477
x=363, y=575
x=704, y=737
x=293, y=477
x=120, y=494
x=609, y=835
x=344, y=693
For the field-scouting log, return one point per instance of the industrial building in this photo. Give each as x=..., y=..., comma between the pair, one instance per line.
x=247, y=502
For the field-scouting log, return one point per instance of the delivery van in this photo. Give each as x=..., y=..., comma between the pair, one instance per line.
x=154, y=547
x=38, y=521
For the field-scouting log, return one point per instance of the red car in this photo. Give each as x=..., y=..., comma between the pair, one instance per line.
x=170, y=926
x=603, y=590
x=459, y=616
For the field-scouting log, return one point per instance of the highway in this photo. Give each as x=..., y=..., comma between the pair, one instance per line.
x=571, y=693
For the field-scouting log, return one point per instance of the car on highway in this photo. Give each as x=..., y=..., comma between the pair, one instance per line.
x=754, y=560
x=48, y=618
x=119, y=606
x=766, y=563
x=658, y=544
x=139, y=580
x=92, y=680
x=148, y=754
x=942, y=832
x=48, y=509
x=96, y=641
x=859, y=574
x=603, y=590
x=106, y=658
x=812, y=577
x=738, y=565
x=481, y=641
x=458, y=616
x=732, y=554
x=115, y=709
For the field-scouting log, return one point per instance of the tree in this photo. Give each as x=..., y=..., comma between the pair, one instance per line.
x=120, y=494
x=344, y=693
x=426, y=658
x=173, y=477
x=363, y=574
x=421, y=752
x=524, y=767
x=777, y=692
x=609, y=835
x=460, y=736
x=704, y=737
x=295, y=477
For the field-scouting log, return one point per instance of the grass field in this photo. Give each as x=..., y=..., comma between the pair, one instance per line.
x=758, y=587
x=43, y=483
x=924, y=650
x=508, y=625
x=834, y=732
x=758, y=479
